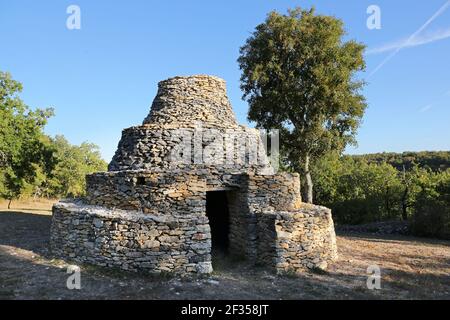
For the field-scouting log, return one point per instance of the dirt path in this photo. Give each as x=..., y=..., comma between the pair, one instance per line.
x=411, y=268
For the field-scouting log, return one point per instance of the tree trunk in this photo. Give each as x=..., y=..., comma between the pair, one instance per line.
x=405, y=197
x=308, y=192
x=405, y=204
x=388, y=203
x=9, y=204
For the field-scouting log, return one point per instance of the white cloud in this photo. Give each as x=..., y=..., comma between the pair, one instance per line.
x=417, y=41
x=412, y=37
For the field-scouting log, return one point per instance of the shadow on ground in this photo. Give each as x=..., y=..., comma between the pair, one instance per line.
x=29, y=231
x=399, y=239
x=29, y=272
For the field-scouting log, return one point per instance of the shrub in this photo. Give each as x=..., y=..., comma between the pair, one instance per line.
x=432, y=211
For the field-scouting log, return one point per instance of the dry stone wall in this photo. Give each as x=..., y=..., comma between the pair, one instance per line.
x=157, y=193
x=295, y=241
x=190, y=148
x=131, y=240
x=148, y=212
x=191, y=125
x=185, y=100
x=258, y=193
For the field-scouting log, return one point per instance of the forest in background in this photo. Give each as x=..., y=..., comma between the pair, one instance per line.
x=433, y=160
x=410, y=186
x=62, y=175
x=33, y=164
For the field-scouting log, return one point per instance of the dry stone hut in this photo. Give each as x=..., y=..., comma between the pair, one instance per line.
x=187, y=183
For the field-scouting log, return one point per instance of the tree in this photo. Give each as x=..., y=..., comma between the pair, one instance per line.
x=366, y=192
x=23, y=147
x=434, y=160
x=32, y=163
x=413, y=181
x=326, y=173
x=298, y=76
x=432, y=208
x=74, y=162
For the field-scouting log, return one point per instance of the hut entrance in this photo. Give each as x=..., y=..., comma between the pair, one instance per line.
x=219, y=221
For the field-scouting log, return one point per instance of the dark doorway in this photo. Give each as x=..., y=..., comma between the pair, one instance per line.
x=219, y=221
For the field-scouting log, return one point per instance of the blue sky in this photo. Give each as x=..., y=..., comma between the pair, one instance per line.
x=103, y=78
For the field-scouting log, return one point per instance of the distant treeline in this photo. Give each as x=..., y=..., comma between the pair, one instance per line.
x=370, y=188
x=434, y=160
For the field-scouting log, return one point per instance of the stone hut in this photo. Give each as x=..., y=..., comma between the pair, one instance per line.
x=187, y=185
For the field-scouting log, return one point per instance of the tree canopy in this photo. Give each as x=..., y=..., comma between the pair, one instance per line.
x=298, y=76
x=73, y=164
x=32, y=162
x=434, y=160
x=359, y=190
x=23, y=147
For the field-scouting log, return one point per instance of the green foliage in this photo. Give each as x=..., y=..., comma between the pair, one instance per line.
x=360, y=190
x=433, y=160
x=356, y=190
x=298, y=75
x=432, y=208
x=22, y=143
x=74, y=162
x=31, y=163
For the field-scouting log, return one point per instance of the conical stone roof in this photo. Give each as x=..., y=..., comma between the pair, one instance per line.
x=184, y=101
x=192, y=113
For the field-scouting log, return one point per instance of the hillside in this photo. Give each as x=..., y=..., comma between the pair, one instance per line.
x=435, y=160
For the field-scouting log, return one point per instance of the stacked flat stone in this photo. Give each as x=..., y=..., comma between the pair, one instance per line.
x=181, y=101
x=185, y=107
x=148, y=212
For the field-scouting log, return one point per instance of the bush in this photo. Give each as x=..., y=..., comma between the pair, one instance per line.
x=432, y=211
x=362, y=191
x=357, y=191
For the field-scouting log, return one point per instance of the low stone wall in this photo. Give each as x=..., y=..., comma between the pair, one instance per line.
x=131, y=240
x=297, y=240
x=279, y=192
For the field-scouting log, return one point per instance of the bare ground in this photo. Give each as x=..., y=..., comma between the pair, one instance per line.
x=411, y=268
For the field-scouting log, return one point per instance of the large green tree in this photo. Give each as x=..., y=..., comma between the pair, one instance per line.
x=23, y=147
x=73, y=164
x=32, y=163
x=299, y=76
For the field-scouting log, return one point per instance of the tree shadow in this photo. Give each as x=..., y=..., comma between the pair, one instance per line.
x=399, y=239
x=26, y=277
x=417, y=285
x=29, y=231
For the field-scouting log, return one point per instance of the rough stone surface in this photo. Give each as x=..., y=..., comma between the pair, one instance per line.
x=181, y=101
x=131, y=240
x=297, y=240
x=148, y=212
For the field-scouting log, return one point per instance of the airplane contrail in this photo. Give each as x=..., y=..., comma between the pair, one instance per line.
x=406, y=43
x=417, y=41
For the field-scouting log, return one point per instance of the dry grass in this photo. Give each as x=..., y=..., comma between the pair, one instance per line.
x=31, y=205
x=412, y=268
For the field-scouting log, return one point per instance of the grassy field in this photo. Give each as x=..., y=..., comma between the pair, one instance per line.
x=411, y=268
